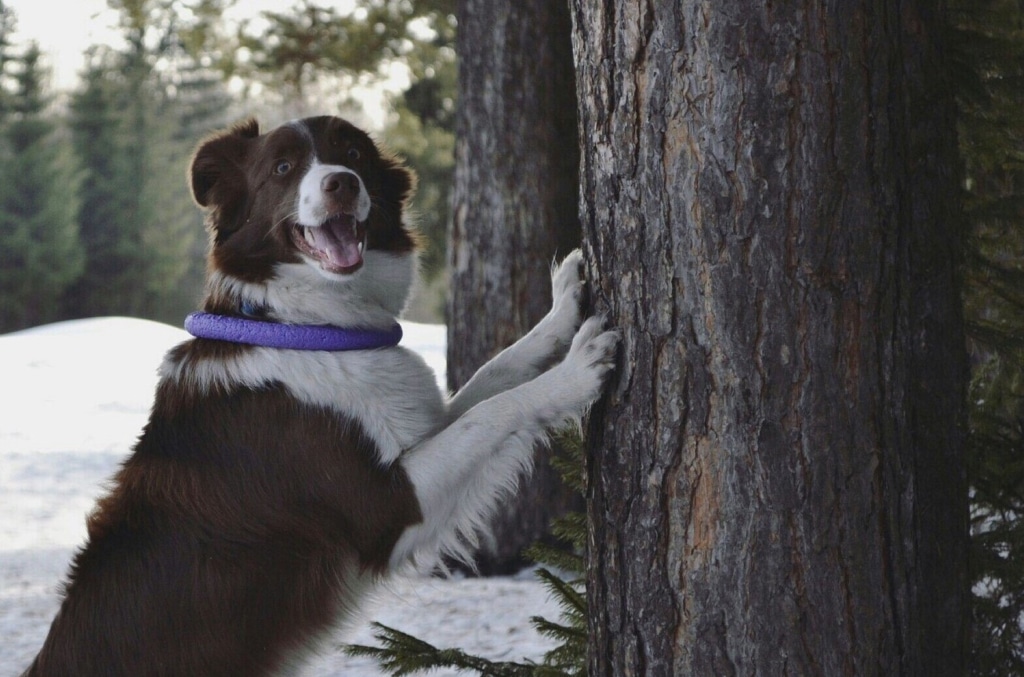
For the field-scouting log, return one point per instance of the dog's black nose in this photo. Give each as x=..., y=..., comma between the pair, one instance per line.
x=340, y=184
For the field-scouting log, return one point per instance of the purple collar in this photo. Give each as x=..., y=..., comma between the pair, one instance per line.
x=289, y=336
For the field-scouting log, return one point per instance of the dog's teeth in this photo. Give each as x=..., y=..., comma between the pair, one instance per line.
x=361, y=243
x=308, y=234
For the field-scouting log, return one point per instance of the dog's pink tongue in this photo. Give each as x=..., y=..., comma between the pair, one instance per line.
x=339, y=243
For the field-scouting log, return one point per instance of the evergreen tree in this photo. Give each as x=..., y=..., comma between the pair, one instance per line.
x=514, y=210
x=111, y=241
x=136, y=119
x=161, y=210
x=989, y=41
x=291, y=50
x=423, y=132
x=8, y=22
x=40, y=253
x=198, y=96
x=168, y=221
x=428, y=148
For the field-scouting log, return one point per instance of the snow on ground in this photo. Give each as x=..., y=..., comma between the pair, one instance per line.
x=73, y=398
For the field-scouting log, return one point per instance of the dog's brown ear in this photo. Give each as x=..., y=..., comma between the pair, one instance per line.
x=216, y=174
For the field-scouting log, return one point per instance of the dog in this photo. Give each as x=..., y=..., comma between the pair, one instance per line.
x=295, y=455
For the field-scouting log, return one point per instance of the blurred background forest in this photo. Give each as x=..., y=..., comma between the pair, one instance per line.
x=95, y=218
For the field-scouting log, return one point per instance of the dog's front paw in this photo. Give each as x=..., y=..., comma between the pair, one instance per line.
x=567, y=281
x=591, y=358
x=566, y=313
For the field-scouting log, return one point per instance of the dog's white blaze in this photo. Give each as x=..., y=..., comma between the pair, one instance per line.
x=311, y=208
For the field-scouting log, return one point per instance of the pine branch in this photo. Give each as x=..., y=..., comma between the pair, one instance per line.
x=568, y=598
x=556, y=558
x=557, y=631
x=569, y=656
x=569, y=464
x=402, y=654
x=573, y=529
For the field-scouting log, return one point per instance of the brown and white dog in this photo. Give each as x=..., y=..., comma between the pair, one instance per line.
x=273, y=486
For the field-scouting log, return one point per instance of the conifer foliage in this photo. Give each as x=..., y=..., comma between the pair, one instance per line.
x=95, y=215
x=140, y=230
x=40, y=254
x=988, y=37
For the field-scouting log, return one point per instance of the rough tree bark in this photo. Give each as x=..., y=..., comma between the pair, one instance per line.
x=769, y=205
x=514, y=210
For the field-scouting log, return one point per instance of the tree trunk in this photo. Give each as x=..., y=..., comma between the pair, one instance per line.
x=514, y=210
x=769, y=205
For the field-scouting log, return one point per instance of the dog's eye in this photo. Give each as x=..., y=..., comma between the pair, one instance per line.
x=353, y=153
x=282, y=167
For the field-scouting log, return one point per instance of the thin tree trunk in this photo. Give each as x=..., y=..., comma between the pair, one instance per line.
x=770, y=215
x=514, y=210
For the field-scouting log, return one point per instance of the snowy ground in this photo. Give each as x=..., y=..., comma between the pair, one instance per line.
x=73, y=398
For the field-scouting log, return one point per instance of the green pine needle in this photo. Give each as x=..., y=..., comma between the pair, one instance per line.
x=571, y=528
x=402, y=654
x=567, y=596
x=556, y=558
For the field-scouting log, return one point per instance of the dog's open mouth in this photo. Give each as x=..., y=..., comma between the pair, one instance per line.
x=337, y=243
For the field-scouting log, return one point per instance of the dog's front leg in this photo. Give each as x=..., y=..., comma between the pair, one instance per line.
x=460, y=473
x=536, y=352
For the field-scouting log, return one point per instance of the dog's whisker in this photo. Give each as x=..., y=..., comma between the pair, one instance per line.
x=280, y=224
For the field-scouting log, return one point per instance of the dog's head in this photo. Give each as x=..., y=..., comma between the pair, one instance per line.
x=316, y=193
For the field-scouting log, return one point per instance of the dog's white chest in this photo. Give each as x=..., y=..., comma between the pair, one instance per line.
x=391, y=392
